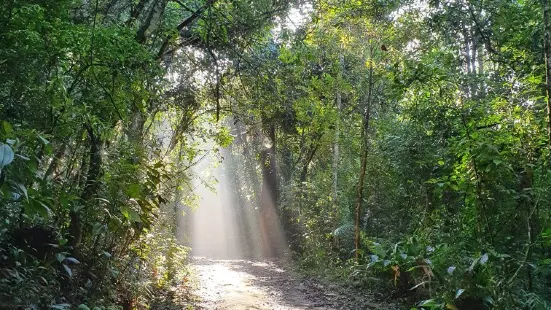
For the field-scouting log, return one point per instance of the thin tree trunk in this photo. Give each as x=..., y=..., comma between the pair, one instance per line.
x=359, y=192
x=336, y=154
x=474, y=77
x=135, y=133
x=467, y=51
x=135, y=12
x=269, y=197
x=274, y=190
x=364, y=136
x=152, y=21
x=55, y=161
x=313, y=149
x=90, y=188
x=481, y=84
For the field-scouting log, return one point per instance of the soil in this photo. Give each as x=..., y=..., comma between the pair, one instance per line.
x=269, y=284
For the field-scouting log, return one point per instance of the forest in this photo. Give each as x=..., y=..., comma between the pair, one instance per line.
x=396, y=147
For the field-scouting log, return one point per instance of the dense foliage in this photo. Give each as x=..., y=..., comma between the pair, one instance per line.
x=413, y=137
x=401, y=145
x=99, y=102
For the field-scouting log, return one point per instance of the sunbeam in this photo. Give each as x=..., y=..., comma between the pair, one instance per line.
x=214, y=231
x=225, y=225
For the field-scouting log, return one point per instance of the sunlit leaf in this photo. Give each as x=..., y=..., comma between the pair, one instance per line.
x=60, y=257
x=484, y=259
x=72, y=260
x=7, y=128
x=488, y=300
x=68, y=270
x=6, y=155
x=22, y=190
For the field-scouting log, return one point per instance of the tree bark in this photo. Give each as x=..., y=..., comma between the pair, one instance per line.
x=314, y=146
x=152, y=21
x=336, y=154
x=364, y=136
x=481, y=84
x=91, y=186
x=269, y=198
x=359, y=193
x=55, y=161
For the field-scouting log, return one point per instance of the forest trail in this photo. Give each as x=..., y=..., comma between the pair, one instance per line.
x=244, y=284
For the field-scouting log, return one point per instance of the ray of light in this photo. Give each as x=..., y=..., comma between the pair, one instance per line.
x=228, y=226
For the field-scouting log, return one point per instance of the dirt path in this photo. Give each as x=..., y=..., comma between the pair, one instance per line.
x=243, y=284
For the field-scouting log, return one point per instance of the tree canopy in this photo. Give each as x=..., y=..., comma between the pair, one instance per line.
x=399, y=145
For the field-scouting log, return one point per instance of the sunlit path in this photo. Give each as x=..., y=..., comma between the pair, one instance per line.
x=243, y=284
x=228, y=284
x=269, y=285
x=239, y=248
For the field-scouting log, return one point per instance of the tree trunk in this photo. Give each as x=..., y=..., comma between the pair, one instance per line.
x=474, y=77
x=271, y=176
x=268, y=198
x=136, y=11
x=152, y=21
x=481, y=84
x=359, y=193
x=467, y=51
x=90, y=188
x=336, y=154
x=55, y=161
x=364, y=136
x=313, y=149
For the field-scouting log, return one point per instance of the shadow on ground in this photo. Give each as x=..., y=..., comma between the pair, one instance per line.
x=268, y=284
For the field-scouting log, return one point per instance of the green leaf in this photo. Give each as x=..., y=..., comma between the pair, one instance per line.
x=60, y=257
x=428, y=303
x=7, y=128
x=68, y=270
x=43, y=140
x=6, y=155
x=484, y=259
x=130, y=214
x=488, y=300
x=42, y=209
x=23, y=157
x=471, y=267
x=133, y=190
x=22, y=190
x=72, y=260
